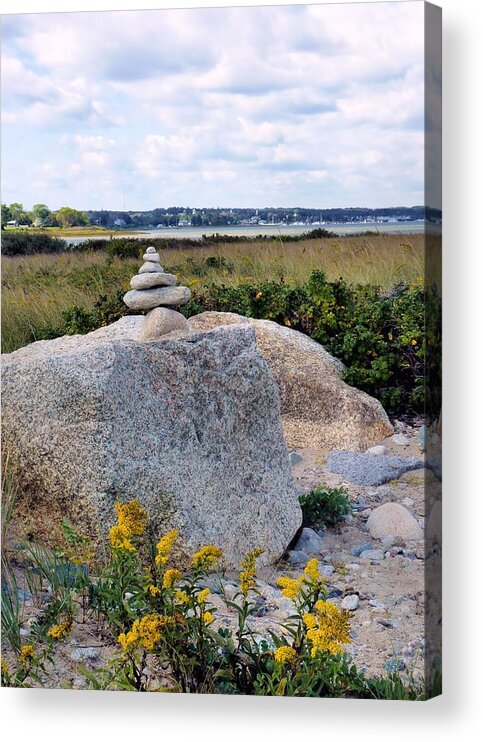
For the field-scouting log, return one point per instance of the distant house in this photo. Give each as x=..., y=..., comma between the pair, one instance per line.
x=119, y=223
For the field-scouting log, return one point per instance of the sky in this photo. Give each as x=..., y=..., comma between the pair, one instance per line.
x=309, y=106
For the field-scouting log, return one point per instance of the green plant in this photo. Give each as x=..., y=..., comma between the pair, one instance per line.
x=324, y=506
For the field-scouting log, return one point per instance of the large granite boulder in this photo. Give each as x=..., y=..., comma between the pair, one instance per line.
x=190, y=426
x=319, y=410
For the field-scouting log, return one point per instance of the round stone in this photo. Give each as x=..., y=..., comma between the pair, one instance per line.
x=160, y=321
x=153, y=257
x=157, y=297
x=151, y=249
x=149, y=267
x=148, y=280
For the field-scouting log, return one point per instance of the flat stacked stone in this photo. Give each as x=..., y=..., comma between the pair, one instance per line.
x=156, y=291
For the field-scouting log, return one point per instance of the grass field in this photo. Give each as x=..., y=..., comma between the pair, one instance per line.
x=36, y=289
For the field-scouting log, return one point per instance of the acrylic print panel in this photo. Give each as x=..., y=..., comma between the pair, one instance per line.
x=222, y=461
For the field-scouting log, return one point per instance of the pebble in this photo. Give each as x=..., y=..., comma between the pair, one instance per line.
x=400, y=439
x=376, y=603
x=327, y=570
x=374, y=555
x=81, y=654
x=353, y=567
x=394, y=665
x=388, y=541
x=309, y=541
x=350, y=603
x=357, y=550
x=297, y=558
x=377, y=450
x=294, y=458
x=334, y=592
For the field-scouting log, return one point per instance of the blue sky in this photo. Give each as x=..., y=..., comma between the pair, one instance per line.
x=315, y=106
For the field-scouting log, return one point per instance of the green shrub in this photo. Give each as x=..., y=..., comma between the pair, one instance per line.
x=324, y=506
x=23, y=243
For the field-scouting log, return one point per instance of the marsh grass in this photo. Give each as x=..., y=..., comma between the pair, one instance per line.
x=36, y=289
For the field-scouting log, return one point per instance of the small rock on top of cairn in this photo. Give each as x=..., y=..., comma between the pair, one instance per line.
x=156, y=291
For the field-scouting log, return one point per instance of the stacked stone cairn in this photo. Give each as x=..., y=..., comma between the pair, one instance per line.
x=156, y=291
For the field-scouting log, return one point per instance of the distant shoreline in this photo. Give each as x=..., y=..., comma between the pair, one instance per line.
x=76, y=235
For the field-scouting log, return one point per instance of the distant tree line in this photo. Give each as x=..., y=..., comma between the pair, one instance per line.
x=41, y=216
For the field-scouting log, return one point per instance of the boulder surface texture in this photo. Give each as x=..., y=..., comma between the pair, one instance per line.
x=189, y=426
x=319, y=410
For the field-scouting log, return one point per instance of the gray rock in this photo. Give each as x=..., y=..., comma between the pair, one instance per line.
x=372, y=555
x=319, y=410
x=150, y=267
x=394, y=665
x=388, y=541
x=190, y=427
x=297, y=558
x=149, y=280
x=160, y=321
x=400, y=439
x=294, y=458
x=158, y=297
x=152, y=257
x=377, y=450
x=350, y=602
x=392, y=518
x=368, y=470
x=82, y=654
x=357, y=550
x=376, y=603
x=327, y=570
x=309, y=541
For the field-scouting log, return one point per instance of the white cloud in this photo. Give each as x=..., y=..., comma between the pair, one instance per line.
x=322, y=103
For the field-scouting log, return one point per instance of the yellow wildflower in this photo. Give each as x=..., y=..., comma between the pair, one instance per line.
x=249, y=571
x=4, y=667
x=312, y=570
x=27, y=652
x=165, y=544
x=119, y=538
x=206, y=556
x=154, y=590
x=208, y=617
x=309, y=620
x=285, y=654
x=59, y=630
x=290, y=588
x=202, y=595
x=145, y=632
x=131, y=517
x=328, y=629
x=414, y=342
x=170, y=577
x=181, y=597
x=258, y=295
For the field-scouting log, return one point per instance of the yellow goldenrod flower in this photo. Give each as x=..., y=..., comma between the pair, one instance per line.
x=165, y=544
x=119, y=538
x=27, y=652
x=4, y=667
x=290, y=588
x=202, y=595
x=181, y=597
x=414, y=342
x=312, y=570
x=309, y=620
x=154, y=590
x=285, y=654
x=145, y=632
x=170, y=577
x=131, y=517
x=59, y=630
x=329, y=629
x=208, y=617
x=248, y=566
x=206, y=556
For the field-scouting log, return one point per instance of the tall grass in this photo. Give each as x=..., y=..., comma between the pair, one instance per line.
x=36, y=289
